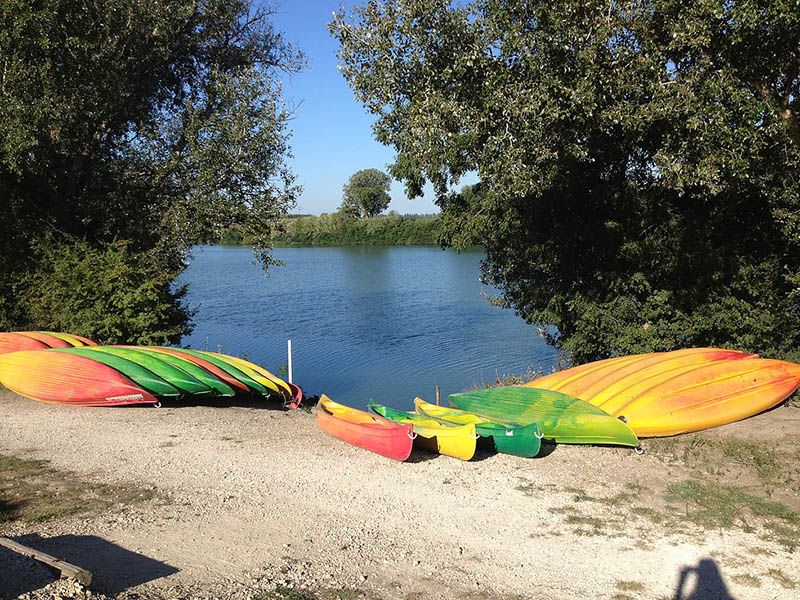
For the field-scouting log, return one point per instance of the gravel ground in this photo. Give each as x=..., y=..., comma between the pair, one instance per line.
x=251, y=500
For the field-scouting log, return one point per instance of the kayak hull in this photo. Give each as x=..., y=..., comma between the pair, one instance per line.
x=508, y=438
x=364, y=430
x=63, y=378
x=456, y=440
x=562, y=418
x=667, y=393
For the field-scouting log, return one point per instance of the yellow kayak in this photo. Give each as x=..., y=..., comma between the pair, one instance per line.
x=445, y=438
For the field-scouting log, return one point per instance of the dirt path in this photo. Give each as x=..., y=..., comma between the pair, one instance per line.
x=249, y=499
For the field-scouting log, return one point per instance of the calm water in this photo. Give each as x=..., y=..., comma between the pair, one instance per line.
x=388, y=323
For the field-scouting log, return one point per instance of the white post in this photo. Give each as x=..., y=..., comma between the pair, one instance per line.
x=289, y=346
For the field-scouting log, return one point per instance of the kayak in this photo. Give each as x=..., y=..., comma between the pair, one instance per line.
x=175, y=376
x=668, y=394
x=364, y=430
x=606, y=376
x=63, y=378
x=562, y=418
x=138, y=374
x=456, y=440
x=508, y=438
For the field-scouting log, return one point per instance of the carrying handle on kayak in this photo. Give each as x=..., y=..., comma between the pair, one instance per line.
x=411, y=435
x=475, y=437
x=538, y=434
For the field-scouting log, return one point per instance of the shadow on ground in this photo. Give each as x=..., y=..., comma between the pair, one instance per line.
x=703, y=582
x=114, y=569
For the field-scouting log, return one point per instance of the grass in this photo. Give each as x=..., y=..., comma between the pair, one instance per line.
x=783, y=580
x=33, y=492
x=630, y=586
x=721, y=506
x=747, y=580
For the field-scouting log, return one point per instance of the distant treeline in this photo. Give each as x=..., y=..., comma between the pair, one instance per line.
x=337, y=229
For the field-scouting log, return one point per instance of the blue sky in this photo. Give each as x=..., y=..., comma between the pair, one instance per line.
x=331, y=131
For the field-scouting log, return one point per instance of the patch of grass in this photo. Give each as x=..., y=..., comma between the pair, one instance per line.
x=747, y=579
x=622, y=597
x=32, y=491
x=788, y=537
x=783, y=580
x=764, y=458
x=596, y=525
x=630, y=586
x=714, y=506
x=654, y=516
x=615, y=500
x=529, y=489
x=285, y=593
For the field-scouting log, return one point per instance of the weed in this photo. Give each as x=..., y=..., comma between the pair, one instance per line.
x=721, y=506
x=747, y=579
x=764, y=458
x=34, y=492
x=651, y=514
x=595, y=524
x=784, y=580
x=285, y=593
x=630, y=586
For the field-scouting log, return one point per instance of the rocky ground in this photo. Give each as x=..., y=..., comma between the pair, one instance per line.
x=247, y=501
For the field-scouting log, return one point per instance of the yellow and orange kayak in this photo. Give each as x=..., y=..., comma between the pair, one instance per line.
x=365, y=430
x=668, y=393
x=61, y=378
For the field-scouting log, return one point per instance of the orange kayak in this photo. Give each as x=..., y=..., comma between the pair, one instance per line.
x=365, y=430
x=63, y=378
x=668, y=393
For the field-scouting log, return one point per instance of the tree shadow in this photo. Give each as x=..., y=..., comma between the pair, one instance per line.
x=114, y=568
x=708, y=583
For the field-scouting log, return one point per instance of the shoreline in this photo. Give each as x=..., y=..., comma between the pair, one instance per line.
x=250, y=500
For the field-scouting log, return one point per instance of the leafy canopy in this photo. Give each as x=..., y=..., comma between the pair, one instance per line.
x=638, y=160
x=132, y=131
x=366, y=194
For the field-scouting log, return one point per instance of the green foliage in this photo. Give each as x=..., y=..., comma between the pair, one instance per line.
x=638, y=160
x=366, y=194
x=155, y=125
x=109, y=293
x=338, y=230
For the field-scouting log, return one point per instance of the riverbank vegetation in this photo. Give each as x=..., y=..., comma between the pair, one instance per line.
x=340, y=229
x=638, y=161
x=129, y=132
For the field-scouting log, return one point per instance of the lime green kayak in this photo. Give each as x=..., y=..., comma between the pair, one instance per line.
x=562, y=418
x=508, y=438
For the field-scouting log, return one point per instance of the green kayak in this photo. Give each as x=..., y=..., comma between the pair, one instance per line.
x=562, y=418
x=508, y=438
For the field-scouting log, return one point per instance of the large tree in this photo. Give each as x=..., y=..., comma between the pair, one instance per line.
x=130, y=131
x=366, y=194
x=639, y=160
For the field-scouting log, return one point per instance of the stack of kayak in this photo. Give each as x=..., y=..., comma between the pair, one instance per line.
x=39, y=340
x=514, y=419
x=87, y=374
x=614, y=401
x=667, y=393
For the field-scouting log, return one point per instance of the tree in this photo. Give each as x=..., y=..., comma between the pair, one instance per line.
x=638, y=160
x=131, y=131
x=366, y=194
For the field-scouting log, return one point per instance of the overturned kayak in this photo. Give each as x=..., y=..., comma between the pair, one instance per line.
x=667, y=393
x=508, y=437
x=562, y=418
x=451, y=439
x=62, y=378
x=364, y=430
x=39, y=340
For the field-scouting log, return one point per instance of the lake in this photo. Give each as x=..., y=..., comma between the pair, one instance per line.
x=388, y=323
